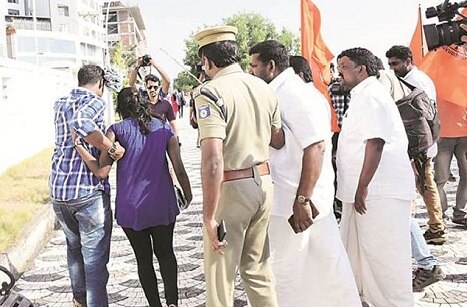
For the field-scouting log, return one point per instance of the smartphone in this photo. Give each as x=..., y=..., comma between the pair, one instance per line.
x=314, y=214
x=221, y=231
x=292, y=224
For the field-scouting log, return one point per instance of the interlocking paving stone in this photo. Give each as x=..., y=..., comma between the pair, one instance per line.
x=47, y=282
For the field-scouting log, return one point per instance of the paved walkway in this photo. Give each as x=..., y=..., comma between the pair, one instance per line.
x=47, y=282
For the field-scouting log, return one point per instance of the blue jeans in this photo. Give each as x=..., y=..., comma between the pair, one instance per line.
x=87, y=224
x=420, y=250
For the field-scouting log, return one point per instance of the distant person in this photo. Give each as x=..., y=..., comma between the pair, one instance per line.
x=340, y=99
x=301, y=67
x=376, y=185
x=400, y=60
x=453, y=143
x=238, y=118
x=180, y=98
x=80, y=199
x=145, y=205
x=173, y=101
x=310, y=263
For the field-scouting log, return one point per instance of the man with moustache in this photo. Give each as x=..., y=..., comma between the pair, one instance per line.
x=376, y=185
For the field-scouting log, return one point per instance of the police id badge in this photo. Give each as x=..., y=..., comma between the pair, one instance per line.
x=204, y=111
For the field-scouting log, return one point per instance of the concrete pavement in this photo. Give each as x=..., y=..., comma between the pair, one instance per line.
x=47, y=282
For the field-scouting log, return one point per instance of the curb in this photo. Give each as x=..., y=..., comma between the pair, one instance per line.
x=18, y=258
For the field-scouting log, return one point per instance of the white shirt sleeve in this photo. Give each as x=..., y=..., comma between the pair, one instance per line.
x=308, y=119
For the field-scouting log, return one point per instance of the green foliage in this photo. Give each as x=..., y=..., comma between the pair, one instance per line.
x=184, y=81
x=252, y=29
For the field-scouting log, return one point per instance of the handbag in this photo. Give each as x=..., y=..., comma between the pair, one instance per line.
x=181, y=200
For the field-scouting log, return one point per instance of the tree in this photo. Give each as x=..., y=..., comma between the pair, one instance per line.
x=252, y=29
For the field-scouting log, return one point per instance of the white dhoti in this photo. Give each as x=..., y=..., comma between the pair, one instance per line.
x=378, y=246
x=311, y=268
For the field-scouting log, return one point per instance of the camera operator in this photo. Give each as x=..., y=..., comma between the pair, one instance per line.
x=155, y=92
x=147, y=61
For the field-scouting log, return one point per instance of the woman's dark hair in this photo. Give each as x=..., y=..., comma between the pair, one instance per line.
x=131, y=104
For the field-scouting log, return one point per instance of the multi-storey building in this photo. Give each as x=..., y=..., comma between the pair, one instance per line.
x=2, y=32
x=55, y=33
x=125, y=24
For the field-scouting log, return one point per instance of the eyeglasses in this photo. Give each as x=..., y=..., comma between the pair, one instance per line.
x=153, y=87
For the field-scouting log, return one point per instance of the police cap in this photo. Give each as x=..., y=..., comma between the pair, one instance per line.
x=215, y=34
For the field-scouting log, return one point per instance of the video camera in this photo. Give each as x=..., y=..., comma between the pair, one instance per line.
x=147, y=60
x=448, y=32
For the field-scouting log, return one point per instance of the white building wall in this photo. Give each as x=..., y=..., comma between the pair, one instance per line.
x=2, y=32
x=59, y=20
x=26, y=114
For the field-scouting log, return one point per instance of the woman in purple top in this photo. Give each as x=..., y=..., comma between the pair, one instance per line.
x=145, y=205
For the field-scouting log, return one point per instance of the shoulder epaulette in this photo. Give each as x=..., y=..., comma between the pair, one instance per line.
x=211, y=96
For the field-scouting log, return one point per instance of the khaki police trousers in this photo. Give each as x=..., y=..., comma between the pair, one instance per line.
x=245, y=206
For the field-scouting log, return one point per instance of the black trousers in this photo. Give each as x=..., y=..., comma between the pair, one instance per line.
x=157, y=240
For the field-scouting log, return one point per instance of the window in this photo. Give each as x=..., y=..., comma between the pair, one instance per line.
x=13, y=1
x=63, y=10
x=13, y=12
x=112, y=29
x=112, y=17
x=63, y=27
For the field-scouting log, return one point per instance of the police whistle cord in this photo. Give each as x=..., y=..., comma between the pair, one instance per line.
x=181, y=66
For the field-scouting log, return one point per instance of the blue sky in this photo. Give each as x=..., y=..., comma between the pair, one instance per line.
x=373, y=24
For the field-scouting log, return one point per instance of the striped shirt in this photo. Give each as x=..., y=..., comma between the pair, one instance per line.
x=70, y=178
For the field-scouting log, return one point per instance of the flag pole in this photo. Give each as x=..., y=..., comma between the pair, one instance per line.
x=181, y=66
x=421, y=29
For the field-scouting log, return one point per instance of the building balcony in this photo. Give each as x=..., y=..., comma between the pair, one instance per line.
x=27, y=23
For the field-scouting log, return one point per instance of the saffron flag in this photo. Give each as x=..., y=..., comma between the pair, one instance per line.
x=316, y=52
x=447, y=67
x=416, y=44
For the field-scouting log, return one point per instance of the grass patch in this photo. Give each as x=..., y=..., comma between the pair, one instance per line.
x=24, y=189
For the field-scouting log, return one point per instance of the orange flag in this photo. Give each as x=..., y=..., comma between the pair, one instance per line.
x=316, y=52
x=447, y=67
x=416, y=44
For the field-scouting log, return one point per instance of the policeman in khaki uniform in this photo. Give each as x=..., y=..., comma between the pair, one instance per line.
x=238, y=119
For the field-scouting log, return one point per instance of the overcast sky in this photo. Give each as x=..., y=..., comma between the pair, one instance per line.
x=373, y=24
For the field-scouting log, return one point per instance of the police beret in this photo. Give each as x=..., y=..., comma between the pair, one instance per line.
x=215, y=34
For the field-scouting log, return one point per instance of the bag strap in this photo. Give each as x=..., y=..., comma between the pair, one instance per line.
x=410, y=86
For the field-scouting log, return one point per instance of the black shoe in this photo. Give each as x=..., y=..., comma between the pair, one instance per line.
x=423, y=278
x=435, y=237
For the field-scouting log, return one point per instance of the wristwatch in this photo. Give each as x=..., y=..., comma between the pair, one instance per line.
x=303, y=200
x=112, y=149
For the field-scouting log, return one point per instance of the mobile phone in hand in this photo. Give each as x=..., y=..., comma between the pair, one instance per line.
x=221, y=231
x=292, y=224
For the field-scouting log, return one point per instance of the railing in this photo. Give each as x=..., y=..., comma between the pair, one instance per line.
x=27, y=23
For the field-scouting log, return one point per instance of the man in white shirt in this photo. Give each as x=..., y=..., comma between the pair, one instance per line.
x=400, y=60
x=376, y=185
x=311, y=267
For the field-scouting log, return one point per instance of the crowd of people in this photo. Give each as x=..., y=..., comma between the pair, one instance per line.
x=273, y=194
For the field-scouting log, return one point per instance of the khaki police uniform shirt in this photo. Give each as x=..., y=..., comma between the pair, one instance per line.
x=251, y=111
